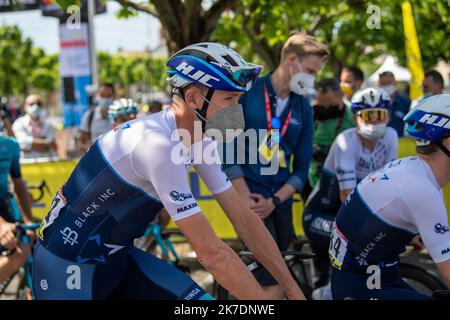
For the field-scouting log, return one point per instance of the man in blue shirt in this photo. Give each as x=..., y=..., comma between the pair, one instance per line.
x=276, y=107
x=10, y=167
x=400, y=104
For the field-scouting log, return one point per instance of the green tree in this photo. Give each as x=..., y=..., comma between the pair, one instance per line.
x=262, y=26
x=23, y=67
x=145, y=71
x=184, y=21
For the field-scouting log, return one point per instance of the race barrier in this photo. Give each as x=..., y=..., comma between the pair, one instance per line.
x=56, y=172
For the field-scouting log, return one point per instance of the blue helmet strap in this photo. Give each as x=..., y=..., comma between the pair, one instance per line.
x=444, y=149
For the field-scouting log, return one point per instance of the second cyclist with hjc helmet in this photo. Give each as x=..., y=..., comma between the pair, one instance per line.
x=353, y=155
x=392, y=206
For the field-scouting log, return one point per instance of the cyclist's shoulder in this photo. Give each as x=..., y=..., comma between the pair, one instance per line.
x=10, y=144
x=407, y=176
x=391, y=134
x=347, y=138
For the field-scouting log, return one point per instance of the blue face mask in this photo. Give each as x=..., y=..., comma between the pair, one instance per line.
x=104, y=102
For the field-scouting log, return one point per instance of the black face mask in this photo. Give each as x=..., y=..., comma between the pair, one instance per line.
x=324, y=113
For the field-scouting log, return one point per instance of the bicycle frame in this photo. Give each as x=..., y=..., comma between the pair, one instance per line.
x=27, y=267
x=163, y=243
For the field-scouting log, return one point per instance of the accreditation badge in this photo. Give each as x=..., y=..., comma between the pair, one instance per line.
x=270, y=147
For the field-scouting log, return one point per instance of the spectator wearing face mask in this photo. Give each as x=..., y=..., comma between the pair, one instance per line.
x=400, y=104
x=432, y=84
x=33, y=131
x=278, y=101
x=95, y=122
x=352, y=79
x=331, y=116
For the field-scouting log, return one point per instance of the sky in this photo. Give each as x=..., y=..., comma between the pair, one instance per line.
x=132, y=34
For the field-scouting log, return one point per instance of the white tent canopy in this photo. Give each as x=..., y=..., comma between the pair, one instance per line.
x=389, y=64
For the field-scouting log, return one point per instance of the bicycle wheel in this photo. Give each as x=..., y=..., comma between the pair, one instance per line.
x=421, y=279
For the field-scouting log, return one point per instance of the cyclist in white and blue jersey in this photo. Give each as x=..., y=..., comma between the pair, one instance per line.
x=353, y=155
x=390, y=207
x=132, y=172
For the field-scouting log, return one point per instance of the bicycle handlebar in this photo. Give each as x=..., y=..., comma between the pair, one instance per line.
x=19, y=233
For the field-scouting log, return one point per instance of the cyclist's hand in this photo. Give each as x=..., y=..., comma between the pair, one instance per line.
x=417, y=243
x=32, y=235
x=263, y=207
x=7, y=237
x=21, y=254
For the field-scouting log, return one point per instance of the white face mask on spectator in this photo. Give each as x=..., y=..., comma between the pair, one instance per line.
x=301, y=83
x=389, y=89
x=33, y=110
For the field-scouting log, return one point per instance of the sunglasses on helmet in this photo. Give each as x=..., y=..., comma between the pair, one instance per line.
x=242, y=74
x=373, y=114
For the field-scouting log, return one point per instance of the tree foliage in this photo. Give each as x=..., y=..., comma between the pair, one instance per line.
x=24, y=67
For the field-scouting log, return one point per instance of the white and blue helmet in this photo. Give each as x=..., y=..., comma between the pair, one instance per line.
x=122, y=107
x=371, y=98
x=429, y=121
x=212, y=65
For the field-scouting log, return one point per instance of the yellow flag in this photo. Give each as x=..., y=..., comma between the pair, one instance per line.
x=412, y=51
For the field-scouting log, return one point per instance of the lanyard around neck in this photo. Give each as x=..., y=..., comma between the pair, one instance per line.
x=269, y=115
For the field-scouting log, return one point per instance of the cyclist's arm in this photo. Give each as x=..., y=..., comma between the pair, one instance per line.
x=252, y=231
x=248, y=226
x=24, y=199
x=242, y=189
x=430, y=218
x=343, y=194
x=345, y=163
x=169, y=180
x=8, y=127
x=19, y=186
x=219, y=259
x=444, y=270
x=11, y=263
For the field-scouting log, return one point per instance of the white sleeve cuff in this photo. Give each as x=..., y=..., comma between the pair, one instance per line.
x=186, y=214
x=227, y=186
x=440, y=253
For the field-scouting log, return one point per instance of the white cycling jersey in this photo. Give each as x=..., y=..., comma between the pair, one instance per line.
x=122, y=182
x=385, y=211
x=350, y=161
x=148, y=154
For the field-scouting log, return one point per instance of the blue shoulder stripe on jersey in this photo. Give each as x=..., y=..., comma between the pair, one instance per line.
x=219, y=73
x=379, y=218
x=122, y=179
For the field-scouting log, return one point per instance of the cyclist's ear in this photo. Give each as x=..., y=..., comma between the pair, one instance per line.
x=446, y=142
x=192, y=98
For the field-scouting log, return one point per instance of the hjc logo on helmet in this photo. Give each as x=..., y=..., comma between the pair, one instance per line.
x=198, y=75
x=436, y=121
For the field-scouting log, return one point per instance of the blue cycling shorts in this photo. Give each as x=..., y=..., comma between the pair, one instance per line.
x=346, y=284
x=138, y=275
